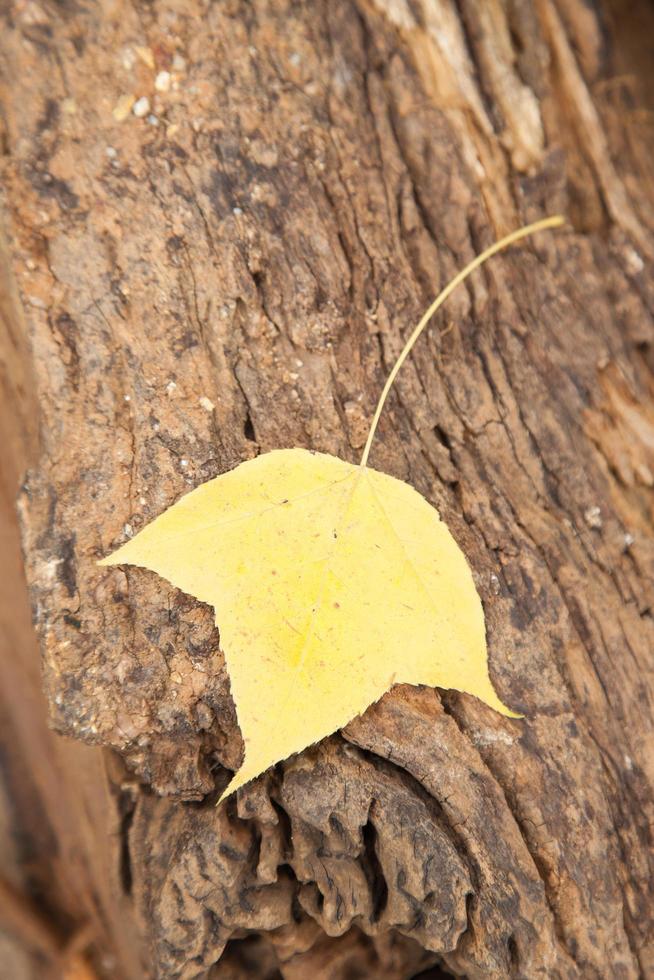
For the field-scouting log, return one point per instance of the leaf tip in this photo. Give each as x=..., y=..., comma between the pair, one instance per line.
x=488, y=695
x=250, y=769
x=512, y=714
x=235, y=783
x=115, y=558
x=501, y=708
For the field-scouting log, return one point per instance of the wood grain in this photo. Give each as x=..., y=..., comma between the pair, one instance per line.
x=235, y=271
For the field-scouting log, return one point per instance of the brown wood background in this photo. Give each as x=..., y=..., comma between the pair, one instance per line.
x=233, y=271
x=61, y=907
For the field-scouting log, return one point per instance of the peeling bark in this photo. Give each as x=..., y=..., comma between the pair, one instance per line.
x=234, y=272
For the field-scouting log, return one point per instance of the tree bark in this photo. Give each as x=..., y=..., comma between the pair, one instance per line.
x=231, y=267
x=62, y=909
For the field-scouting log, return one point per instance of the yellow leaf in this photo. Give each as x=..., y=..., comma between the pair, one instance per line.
x=330, y=582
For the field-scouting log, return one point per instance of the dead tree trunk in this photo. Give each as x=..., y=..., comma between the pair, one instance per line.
x=224, y=218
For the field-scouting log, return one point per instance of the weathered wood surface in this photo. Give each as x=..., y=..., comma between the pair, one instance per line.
x=235, y=271
x=62, y=908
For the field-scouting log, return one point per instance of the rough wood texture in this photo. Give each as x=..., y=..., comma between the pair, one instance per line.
x=62, y=909
x=236, y=273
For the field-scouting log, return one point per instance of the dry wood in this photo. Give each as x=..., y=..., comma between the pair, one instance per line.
x=62, y=911
x=235, y=270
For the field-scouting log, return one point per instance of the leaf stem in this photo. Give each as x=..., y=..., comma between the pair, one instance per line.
x=553, y=222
